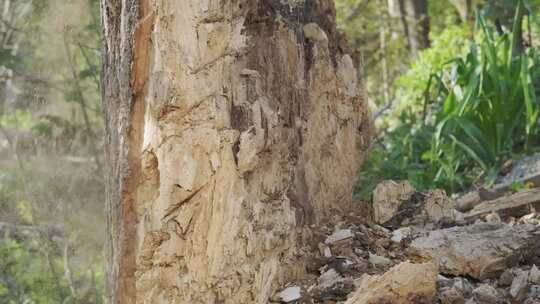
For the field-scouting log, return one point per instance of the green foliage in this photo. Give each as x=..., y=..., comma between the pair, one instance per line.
x=461, y=118
x=32, y=272
x=56, y=195
x=398, y=157
x=489, y=109
x=19, y=119
x=22, y=270
x=411, y=86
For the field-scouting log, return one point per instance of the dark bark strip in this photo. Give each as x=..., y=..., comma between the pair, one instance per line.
x=125, y=24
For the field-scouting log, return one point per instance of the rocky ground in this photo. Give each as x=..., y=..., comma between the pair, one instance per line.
x=417, y=248
x=521, y=168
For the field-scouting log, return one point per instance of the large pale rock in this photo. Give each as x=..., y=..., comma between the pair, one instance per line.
x=290, y=294
x=403, y=284
x=534, y=275
x=481, y=251
x=519, y=288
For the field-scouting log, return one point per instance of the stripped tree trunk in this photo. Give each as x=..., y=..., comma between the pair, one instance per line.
x=232, y=125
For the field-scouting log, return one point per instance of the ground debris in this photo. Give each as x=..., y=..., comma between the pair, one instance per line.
x=379, y=260
x=519, y=287
x=289, y=294
x=354, y=260
x=486, y=294
x=339, y=235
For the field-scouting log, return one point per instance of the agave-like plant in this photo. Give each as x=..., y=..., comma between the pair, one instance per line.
x=489, y=105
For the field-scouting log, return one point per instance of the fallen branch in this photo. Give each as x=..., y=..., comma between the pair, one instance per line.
x=472, y=199
x=506, y=204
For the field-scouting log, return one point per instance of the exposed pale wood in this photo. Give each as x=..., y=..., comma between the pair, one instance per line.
x=232, y=126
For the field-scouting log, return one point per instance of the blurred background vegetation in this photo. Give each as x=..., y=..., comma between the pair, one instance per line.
x=453, y=86
x=51, y=129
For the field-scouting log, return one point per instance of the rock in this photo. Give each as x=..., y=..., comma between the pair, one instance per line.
x=380, y=261
x=397, y=204
x=339, y=235
x=463, y=286
x=534, y=292
x=332, y=286
x=444, y=282
x=340, y=264
x=401, y=234
x=439, y=207
x=518, y=289
x=451, y=296
x=485, y=294
x=313, y=264
x=329, y=277
x=290, y=294
x=361, y=265
x=402, y=284
x=534, y=275
x=493, y=218
x=481, y=251
x=506, y=278
x=325, y=250
x=388, y=197
x=382, y=243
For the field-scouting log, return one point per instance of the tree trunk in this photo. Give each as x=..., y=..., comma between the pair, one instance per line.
x=415, y=19
x=464, y=8
x=231, y=127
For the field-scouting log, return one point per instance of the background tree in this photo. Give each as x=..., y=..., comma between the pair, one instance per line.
x=415, y=19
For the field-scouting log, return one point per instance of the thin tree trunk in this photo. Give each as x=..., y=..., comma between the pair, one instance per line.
x=415, y=19
x=231, y=127
x=464, y=8
x=83, y=106
x=383, y=26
